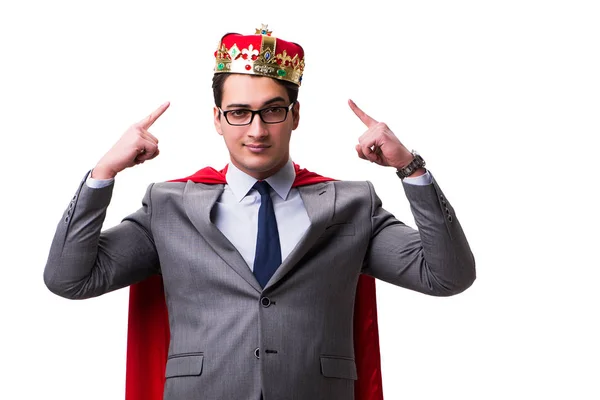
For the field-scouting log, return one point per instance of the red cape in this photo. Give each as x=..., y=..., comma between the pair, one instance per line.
x=148, y=332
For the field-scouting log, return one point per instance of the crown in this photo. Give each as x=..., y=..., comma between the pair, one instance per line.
x=260, y=54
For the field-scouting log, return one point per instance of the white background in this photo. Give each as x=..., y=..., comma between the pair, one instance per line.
x=500, y=97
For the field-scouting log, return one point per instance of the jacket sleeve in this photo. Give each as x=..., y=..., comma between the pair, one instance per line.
x=435, y=259
x=85, y=261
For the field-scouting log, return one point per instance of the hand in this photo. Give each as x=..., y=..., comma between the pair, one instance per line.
x=379, y=144
x=134, y=147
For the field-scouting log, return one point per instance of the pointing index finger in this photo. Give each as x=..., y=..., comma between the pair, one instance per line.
x=368, y=121
x=150, y=119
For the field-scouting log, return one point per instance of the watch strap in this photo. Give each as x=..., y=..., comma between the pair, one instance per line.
x=416, y=163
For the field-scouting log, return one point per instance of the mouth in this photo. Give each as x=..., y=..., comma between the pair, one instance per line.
x=257, y=148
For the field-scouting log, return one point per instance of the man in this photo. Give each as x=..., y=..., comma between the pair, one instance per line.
x=259, y=270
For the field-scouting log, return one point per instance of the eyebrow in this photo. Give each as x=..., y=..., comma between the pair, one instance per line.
x=266, y=103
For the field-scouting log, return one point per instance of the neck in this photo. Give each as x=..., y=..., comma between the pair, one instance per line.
x=261, y=175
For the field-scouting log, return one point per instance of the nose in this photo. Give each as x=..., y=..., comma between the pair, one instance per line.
x=257, y=128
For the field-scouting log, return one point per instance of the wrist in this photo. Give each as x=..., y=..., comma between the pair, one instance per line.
x=100, y=172
x=404, y=163
x=412, y=169
x=419, y=172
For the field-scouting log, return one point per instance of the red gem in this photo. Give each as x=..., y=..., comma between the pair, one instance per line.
x=279, y=61
x=215, y=53
x=248, y=67
x=254, y=57
x=245, y=56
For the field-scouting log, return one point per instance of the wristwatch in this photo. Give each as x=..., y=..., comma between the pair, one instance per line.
x=416, y=163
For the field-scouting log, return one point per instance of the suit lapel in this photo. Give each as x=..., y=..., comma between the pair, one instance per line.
x=198, y=200
x=319, y=203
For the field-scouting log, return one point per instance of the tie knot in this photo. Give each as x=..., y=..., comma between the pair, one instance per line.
x=262, y=187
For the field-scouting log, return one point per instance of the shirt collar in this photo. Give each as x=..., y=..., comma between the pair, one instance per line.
x=240, y=183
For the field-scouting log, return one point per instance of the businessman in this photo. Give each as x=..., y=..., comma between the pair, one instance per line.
x=260, y=261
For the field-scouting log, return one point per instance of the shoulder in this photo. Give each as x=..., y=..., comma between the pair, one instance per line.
x=178, y=189
x=359, y=186
x=354, y=189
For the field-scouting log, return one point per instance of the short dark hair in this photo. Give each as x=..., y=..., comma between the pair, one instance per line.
x=219, y=81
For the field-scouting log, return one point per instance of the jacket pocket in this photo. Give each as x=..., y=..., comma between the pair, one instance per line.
x=338, y=367
x=189, y=364
x=341, y=229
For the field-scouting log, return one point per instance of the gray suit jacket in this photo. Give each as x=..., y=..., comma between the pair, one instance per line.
x=231, y=339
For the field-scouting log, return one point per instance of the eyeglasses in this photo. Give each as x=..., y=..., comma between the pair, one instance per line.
x=268, y=115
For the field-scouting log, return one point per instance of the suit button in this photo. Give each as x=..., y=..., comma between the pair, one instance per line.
x=257, y=352
x=67, y=219
x=449, y=218
x=447, y=210
x=265, y=301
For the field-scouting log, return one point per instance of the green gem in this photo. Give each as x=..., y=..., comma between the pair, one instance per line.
x=221, y=66
x=281, y=72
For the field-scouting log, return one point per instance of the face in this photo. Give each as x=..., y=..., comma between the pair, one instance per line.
x=258, y=149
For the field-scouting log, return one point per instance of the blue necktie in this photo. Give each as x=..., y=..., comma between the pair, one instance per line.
x=268, y=250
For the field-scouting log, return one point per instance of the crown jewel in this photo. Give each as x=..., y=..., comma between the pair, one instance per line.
x=263, y=30
x=260, y=54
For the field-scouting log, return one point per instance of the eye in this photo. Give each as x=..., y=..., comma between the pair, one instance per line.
x=238, y=113
x=273, y=110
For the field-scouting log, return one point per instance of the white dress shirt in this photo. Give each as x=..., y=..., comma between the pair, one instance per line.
x=236, y=211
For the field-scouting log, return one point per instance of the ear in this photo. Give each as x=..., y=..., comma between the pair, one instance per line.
x=295, y=115
x=217, y=120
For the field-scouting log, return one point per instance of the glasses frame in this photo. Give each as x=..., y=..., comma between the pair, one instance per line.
x=254, y=112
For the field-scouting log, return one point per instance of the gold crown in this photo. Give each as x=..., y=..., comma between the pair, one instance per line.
x=260, y=54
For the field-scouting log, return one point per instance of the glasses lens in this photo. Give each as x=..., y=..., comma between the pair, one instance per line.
x=238, y=117
x=274, y=115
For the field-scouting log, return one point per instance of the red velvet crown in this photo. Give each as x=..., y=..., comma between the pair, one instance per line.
x=260, y=54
